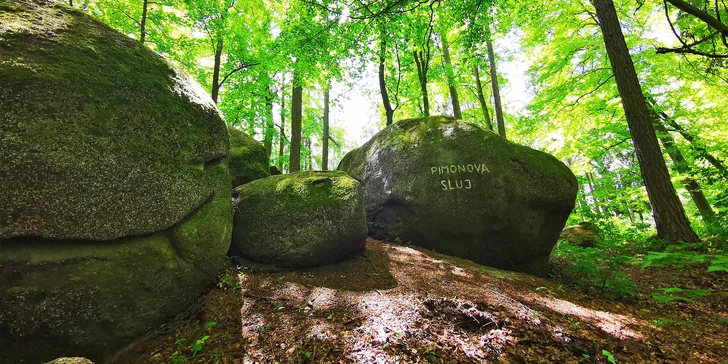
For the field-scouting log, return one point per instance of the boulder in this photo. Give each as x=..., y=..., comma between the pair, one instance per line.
x=584, y=234
x=274, y=171
x=456, y=188
x=73, y=360
x=248, y=160
x=299, y=220
x=115, y=208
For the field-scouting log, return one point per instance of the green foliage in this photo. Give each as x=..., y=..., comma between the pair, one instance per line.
x=684, y=256
x=230, y=281
x=609, y=356
x=667, y=322
x=593, y=270
x=687, y=295
x=198, y=345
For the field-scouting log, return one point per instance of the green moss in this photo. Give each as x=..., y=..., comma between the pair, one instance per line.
x=247, y=159
x=508, y=216
x=80, y=102
x=301, y=219
x=204, y=237
x=88, y=297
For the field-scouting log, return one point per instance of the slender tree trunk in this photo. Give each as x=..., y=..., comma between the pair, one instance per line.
x=457, y=113
x=282, y=139
x=672, y=224
x=216, y=71
x=681, y=166
x=70, y=2
x=481, y=98
x=143, y=25
x=382, y=82
x=325, y=143
x=696, y=145
x=592, y=188
x=309, y=154
x=422, y=68
x=269, y=127
x=296, y=118
x=586, y=212
x=496, y=89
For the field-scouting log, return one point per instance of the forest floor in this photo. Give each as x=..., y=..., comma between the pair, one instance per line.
x=400, y=304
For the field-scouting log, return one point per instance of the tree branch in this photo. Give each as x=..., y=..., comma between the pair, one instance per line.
x=700, y=14
x=241, y=67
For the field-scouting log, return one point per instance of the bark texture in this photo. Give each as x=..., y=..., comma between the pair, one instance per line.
x=672, y=224
x=388, y=110
x=496, y=89
x=325, y=142
x=451, y=79
x=481, y=99
x=296, y=118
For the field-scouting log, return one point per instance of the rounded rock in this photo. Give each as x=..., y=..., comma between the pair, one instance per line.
x=456, y=188
x=299, y=220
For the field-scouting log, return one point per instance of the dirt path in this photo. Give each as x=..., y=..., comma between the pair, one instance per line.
x=400, y=304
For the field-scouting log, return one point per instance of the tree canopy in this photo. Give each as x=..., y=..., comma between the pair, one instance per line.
x=449, y=57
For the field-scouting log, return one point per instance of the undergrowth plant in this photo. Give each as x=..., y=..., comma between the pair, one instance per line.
x=595, y=270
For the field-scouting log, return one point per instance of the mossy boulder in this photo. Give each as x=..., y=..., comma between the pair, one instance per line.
x=461, y=190
x=87, y=113
x=115, y=208
x=248, y=159
x=274, y=171
x=584, y=234
x=299, y=220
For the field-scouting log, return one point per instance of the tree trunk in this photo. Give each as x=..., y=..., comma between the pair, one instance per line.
x=681, y=166
x=269, y=127
x=422, y=68
x=496, y=89
x=696, y=145
x=296, y=118
x=143, y=24
x=325, y=143
x=481, y=98
x=382, y=82
x=592, y=189
x=216, y=71
x=282, y=139
x=457, y=113
x=70, y=2
x=672, y=224
x=309, y=155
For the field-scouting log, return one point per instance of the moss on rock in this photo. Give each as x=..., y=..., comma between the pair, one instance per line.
x=81, y=102
x=299, y=220
x=115, y=207
x=456, y=188
x=248, y=160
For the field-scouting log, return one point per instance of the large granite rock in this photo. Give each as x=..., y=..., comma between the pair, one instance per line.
x=115, y=205
x=248, y=160
x=456, y=188
x=584, y=234
x=299, y=220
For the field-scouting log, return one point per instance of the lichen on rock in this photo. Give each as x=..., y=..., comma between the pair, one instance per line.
x=80, y=102
x=248, y=160
x=456, y=188
x=115, y=209
x=299, y=220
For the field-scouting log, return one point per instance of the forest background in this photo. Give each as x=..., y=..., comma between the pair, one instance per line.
x=277, y=69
